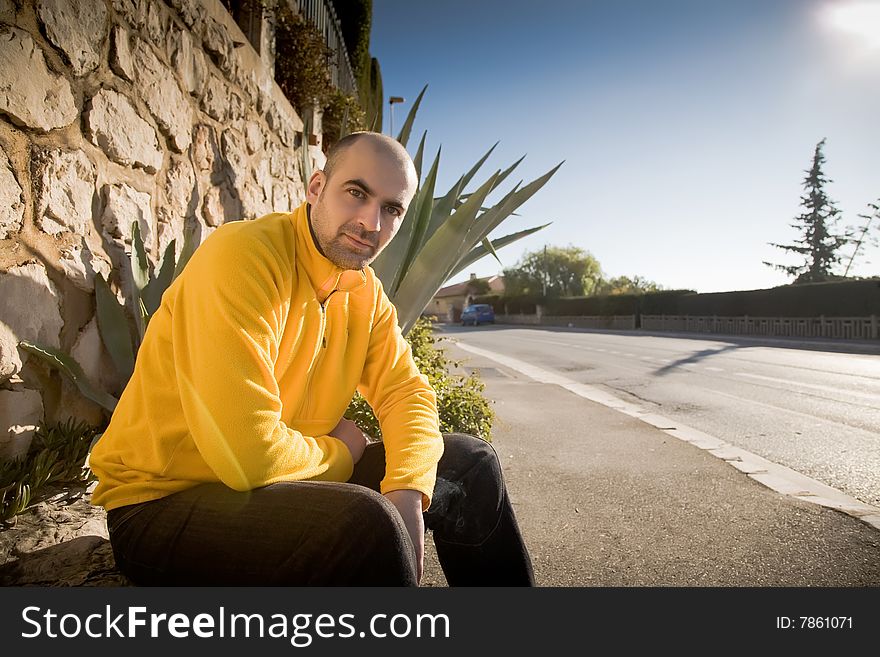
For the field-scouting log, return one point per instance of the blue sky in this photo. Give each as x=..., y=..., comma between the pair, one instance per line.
x=685, y=125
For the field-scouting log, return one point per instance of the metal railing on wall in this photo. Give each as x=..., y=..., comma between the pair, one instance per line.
x=323, y=16
x=847, y=328
x=841, y=328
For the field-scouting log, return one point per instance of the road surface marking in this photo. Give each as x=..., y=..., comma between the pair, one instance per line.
x=814, y=386
x=777, y=477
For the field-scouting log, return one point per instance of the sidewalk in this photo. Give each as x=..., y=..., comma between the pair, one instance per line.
x=605, y=499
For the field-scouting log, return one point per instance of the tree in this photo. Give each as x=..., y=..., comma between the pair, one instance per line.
x=554, y=271
x=627, y=285
x=820, y=244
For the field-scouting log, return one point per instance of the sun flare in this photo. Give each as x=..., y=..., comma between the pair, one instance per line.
x=859, y=18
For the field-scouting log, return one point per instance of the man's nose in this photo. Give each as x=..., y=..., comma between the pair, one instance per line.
x=371, y=217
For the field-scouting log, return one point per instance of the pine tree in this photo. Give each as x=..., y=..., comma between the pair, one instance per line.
x=820, y=244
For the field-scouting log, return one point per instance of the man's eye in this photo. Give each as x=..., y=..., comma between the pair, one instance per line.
x=394, y=212
x=356, y=193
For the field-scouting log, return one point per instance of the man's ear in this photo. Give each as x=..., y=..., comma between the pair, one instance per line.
x=315, y=187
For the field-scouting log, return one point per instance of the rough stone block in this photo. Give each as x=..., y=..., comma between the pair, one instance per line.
x=40, y=99
x=215, y=101
x=65, y=186
x=158, y=87
x=29, y=304
x=237, y=107
x=134, y=12
x=121, y=60
x=78, y=28
x=217, y=43
x=280, y=198
x=191, y=12
x=179, y=190
x=220, y=205
x=262, y=177
x=123, y=205
x=253, y=136
x=205, y=151
x=80, y=265
x=236, y=157
x=114, y=125
x=254, y=202
x=21, y=413
x=157, y=23
x=171, y=230
x=11, y=200
x=188, y=62
x=10, y=363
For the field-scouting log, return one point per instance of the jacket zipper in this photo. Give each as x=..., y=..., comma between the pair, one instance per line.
x=320, y=345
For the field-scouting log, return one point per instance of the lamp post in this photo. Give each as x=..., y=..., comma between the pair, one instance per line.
x=391, y=101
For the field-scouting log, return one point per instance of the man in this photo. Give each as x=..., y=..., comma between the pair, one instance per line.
x=228, y=461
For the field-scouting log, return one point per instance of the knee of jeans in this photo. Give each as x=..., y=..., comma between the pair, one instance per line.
x=468, y=497
x=477, y=464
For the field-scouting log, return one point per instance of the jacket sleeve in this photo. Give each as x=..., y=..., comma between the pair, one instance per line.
x=405, y=405
x=227, y=321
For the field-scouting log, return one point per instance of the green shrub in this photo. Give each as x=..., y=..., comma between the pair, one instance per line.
x=460, y=401
x=342, y=116
x=301, y=60
x=57, y=456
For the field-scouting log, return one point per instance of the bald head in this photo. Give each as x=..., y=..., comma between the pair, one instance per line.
x=361, y=197
x=378, y=143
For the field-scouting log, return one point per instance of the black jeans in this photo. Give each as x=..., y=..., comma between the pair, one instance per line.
x=309, y=533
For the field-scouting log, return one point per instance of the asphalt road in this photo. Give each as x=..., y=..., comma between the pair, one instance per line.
x=799, y=405
x=607, y=499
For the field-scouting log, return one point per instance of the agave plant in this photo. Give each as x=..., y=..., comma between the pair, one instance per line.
x=121, y=339
x=441, y=236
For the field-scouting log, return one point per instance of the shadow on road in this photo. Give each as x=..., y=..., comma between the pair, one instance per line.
x=696, y=358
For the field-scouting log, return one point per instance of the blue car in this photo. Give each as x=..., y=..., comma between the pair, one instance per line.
x=477, y=313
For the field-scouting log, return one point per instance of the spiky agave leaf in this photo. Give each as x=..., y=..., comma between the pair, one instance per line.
x=114, y=328
x=140, y=273
x=420, y=151
x=436, y=259
x=189, y=247
x=68, y=366
x=403, y=137
x=420, y=225
x=479, y=252
x=154, y=290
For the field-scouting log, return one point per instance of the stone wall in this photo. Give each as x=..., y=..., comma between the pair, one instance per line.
x=114, y=111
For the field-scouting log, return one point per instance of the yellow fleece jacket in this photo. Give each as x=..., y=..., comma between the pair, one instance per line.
x=251, y=358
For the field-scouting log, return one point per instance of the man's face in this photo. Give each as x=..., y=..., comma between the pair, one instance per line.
x=359, y=209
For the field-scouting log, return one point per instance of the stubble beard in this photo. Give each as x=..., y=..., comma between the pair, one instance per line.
x=346, y=257
x=337, y=249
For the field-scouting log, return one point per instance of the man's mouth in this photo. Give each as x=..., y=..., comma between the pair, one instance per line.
x=359, y=243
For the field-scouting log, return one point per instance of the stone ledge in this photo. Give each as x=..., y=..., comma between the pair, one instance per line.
x=61, y=541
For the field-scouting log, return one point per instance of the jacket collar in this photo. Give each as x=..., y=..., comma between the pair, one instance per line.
x=323, y=274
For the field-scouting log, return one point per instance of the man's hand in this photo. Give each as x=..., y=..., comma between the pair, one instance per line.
x=349, y=433
x=409, y=504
